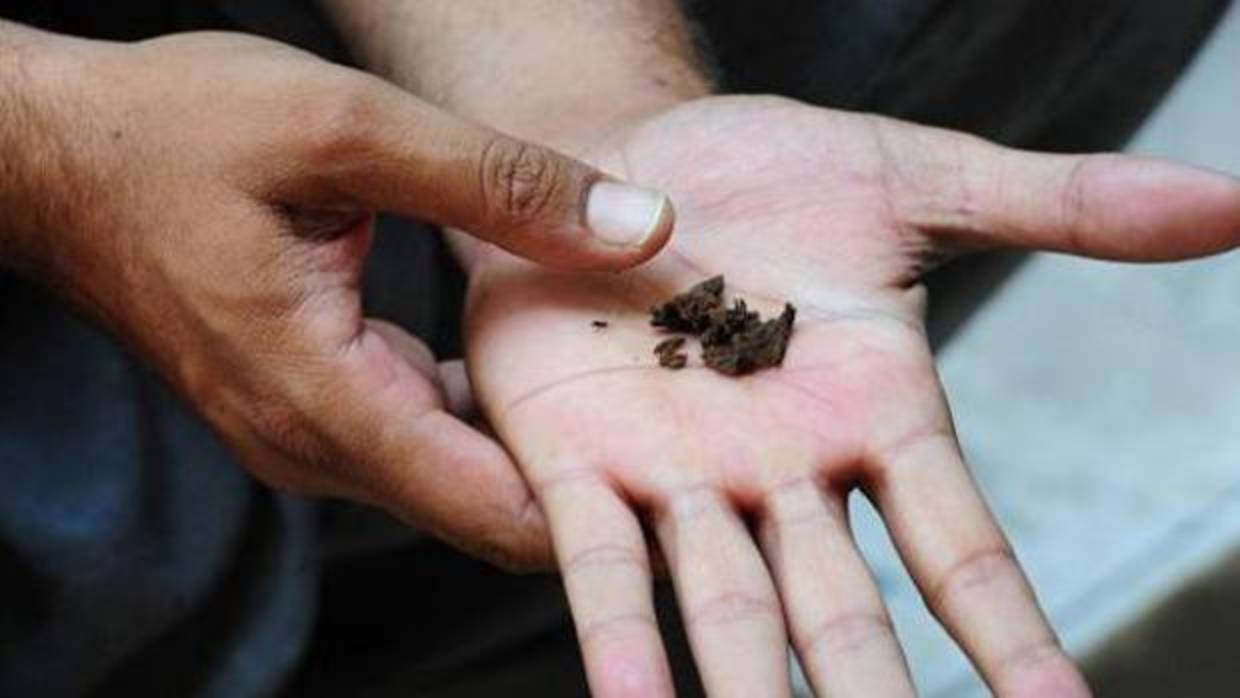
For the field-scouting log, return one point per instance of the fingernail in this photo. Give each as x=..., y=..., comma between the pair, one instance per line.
x=625, y=215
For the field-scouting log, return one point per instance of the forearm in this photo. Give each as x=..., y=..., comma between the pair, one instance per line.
x=47, y=139
x=557, y=71
x=26, y=148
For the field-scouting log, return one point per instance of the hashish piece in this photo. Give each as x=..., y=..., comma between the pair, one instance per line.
x=690, y=312
x=669, y=353
x=735, y=340
x=757, y=346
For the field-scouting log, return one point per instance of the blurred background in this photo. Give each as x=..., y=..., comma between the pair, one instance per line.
x=1099, y=406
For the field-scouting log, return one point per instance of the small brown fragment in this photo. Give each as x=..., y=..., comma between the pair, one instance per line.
x=674, y=361
x=692, y=311
x=755, y=347
x=670, y=354
x=735, y=340
x=731, y=322
x=671, y=344
x=600, y=324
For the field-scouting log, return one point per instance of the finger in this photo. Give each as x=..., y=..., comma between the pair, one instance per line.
x=839, y=626
x=449, y=377
x=966, y=571
x=402, y=155
x=458, y=393
x=602, y=557
x=1107, y=206
x=731, y=612
x=385, y=416
x=409, y=348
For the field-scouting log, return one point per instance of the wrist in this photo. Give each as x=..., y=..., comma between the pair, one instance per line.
x=38, y=181
x=580, y=124
x=571, y=113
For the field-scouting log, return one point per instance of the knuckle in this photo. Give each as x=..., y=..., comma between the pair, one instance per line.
x=798, y=502
x=930, y=444
x=1039, y=654
x=847, y=633
x=691, y=503
x=1074, y=210
x=519, y=181
x=734, y=607
x=340, y=120
x=608, y=557
x=619, y=626
x=567, y=482
x=982, y=568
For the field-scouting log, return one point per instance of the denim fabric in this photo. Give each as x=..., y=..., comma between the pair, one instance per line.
x=126, y=531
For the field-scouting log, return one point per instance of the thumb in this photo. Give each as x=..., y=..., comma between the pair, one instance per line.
x=408, y=157
x=1108, y=206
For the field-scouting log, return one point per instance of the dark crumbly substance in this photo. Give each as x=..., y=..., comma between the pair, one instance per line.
x=690, y=312
x=738, y=319
x=757, y=346
x=669, y=353
x=600, y=324
x=735, y=340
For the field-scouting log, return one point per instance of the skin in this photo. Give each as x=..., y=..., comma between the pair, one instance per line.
x=209, y=199
x=841, y=213
x=742, y=484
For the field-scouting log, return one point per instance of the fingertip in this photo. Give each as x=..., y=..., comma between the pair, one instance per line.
x=1163, y=211
x=1043, y=673
x=405, y=345
x=631, y=223
x=1119, y=207
x=458, y=393
x=626, y=672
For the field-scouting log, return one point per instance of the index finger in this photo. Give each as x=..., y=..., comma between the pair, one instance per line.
x=387, y=150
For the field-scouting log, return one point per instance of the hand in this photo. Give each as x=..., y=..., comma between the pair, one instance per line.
x=213, y=204
x=840, y=214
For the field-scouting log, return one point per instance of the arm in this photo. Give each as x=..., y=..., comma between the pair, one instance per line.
x=30, y=147
x=557, y=71
x=158, y=187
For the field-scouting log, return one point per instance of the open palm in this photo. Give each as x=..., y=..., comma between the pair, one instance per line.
x=744, y=481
